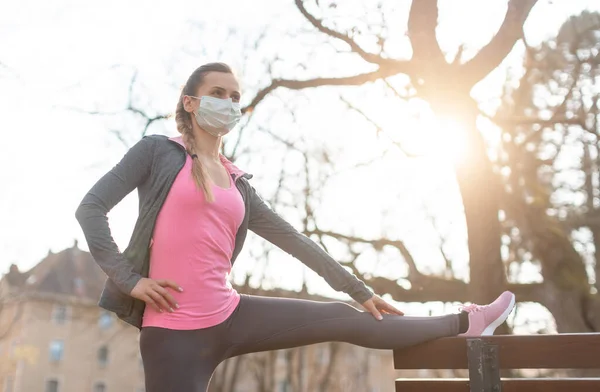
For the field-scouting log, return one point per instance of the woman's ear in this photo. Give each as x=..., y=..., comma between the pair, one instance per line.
x=188, y=103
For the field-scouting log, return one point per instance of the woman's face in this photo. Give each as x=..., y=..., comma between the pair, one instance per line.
x=215, y=84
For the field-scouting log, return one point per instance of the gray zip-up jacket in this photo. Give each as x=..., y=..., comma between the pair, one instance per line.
x=151, y=166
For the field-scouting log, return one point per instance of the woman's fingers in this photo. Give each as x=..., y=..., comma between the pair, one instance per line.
x=169, y=283
x=382, y=306
x=391, y=309
x=160, y=300
x=386, y=307
x=149, y=301
x=371, y=308
x=155, y=293
x=168, y=297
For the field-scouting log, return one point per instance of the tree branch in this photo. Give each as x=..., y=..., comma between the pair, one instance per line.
x=354, y=46
x=428, y=288
x=379, y=130
x=378, y=244
x=491, y=55
x=397, y=93
x=425, y=288
x=355, y=80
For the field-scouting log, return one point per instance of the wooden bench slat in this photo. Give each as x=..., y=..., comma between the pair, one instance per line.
x=564, y=351
x=508, y=385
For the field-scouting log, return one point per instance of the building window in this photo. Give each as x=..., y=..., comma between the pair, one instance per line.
x=8, y=385
x=103, y=356
x=284, y=386
x=106, y=320
x=60, y=314
x=57, y=348
x=99, y=387
x=52, y=386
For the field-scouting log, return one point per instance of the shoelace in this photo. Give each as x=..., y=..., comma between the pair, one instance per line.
x=472, y=308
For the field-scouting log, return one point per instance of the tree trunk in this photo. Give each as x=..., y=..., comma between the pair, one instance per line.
x=567, y=307
x=479, y=189
x=566, y=290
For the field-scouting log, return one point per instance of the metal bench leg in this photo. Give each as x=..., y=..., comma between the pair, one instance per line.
x=484, y=372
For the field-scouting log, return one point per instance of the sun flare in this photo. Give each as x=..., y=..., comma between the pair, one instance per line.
x=432, y=137
x=451, y=137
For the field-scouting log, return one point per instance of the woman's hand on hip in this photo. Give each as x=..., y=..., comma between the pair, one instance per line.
x=155, y=293
x=376, y=305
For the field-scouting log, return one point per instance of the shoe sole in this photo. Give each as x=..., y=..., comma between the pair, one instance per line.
x=489, y=330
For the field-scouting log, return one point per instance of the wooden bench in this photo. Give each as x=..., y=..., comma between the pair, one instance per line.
x=484, y=358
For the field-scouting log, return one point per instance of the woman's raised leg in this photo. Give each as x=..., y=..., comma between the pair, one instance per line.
x=266, y=323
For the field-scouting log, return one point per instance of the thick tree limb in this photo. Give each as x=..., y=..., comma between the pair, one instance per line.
x=422, y=22
x=355, y=80
x=432, y=288
x=491, y=55
x=354, y=46
x=424, y=288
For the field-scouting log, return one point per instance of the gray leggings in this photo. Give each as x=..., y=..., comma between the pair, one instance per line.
x=184, y=361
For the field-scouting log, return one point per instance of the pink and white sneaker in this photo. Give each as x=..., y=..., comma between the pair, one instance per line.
x=483, y=320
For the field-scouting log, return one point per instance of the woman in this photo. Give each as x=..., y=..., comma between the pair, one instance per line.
x=194, y=212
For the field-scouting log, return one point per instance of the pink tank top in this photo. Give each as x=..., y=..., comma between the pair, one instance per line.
x=192, y=244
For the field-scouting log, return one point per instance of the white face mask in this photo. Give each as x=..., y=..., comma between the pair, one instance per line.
x=217, y=116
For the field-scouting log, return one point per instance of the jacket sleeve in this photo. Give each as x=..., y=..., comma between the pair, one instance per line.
x=269, y=225
x=127, y=175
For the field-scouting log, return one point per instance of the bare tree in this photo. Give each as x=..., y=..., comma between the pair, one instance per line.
x=446, y=86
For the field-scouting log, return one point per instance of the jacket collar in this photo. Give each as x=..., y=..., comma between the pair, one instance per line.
x=231, y=168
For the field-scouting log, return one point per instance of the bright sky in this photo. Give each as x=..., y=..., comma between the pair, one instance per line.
x=81, y=54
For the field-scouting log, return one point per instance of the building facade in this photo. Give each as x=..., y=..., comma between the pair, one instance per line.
x=54, y=338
